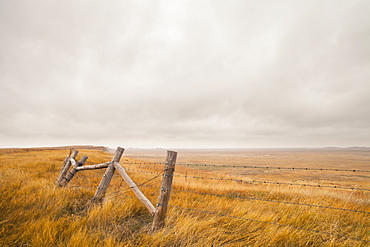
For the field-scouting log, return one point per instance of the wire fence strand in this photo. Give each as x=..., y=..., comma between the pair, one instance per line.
x=276, y=183
x=255, y=167
x=138, y=185
x=279, y=168
x=259, y=181
x=267, y=200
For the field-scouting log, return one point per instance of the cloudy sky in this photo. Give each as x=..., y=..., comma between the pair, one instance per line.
x=201, y=73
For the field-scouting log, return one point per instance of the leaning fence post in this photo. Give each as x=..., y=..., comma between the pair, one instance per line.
x=73, y=171
x=164, y=195
x=100, y=192
x=65, y=167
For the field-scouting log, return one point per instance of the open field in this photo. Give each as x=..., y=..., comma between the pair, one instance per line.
x=207, y=207
x=329, y=158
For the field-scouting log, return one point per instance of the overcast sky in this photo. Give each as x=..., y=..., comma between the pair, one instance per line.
x=196, y=73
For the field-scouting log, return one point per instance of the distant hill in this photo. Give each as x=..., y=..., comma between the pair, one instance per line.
x=90, y=147
x=77, y=147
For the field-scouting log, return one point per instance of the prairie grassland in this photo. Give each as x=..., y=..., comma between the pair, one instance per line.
x=34, y=212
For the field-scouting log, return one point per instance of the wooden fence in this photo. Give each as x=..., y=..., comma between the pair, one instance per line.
x=70, y=167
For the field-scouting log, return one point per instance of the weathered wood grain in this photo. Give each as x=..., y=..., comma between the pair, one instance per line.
x=65, y=167
x=103, y=185
x=73, y=171
x=93, y=167
x=164, y=195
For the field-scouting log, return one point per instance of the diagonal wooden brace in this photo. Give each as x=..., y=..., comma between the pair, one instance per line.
x=134, y=188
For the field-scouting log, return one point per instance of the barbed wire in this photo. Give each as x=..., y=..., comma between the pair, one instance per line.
x=229, y=196
x=135, y=170
x=259, y=181
x=143, y=163
x=137, y=185
x=93, y=186
x=265, y=200
x=128, y=162
x=147, y=181
x=279, y=168
x=276, y=183
x=251, y=181
x=267, y=222
x=255, y=167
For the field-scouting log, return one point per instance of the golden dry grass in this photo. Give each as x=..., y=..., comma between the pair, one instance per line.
x=34, y=212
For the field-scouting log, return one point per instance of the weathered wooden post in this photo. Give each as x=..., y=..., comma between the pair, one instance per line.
x=65, y=167
x=100, y=192
x=164, y=195
x=73, y=171
x=134, y=188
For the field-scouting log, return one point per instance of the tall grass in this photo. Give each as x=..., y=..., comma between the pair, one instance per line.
x=34, y=212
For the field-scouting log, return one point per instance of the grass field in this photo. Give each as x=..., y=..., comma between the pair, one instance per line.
x=204, y=210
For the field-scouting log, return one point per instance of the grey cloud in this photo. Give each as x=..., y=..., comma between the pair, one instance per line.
x=191, y=73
